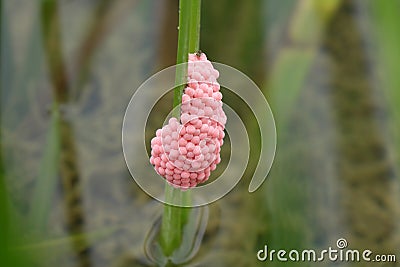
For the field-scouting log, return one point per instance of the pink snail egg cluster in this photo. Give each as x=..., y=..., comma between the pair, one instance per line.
x=186, y=152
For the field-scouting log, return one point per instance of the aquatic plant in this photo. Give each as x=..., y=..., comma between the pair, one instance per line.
x=175, y=218
x=185, y=154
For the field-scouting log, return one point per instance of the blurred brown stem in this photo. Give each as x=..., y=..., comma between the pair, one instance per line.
x=53, y=47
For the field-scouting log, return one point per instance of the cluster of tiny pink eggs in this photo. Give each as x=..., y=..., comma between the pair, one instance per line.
x=186, y=153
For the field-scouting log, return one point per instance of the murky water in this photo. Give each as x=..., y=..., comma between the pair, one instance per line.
x=335, y=173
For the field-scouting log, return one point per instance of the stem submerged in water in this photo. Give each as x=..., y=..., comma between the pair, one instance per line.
x=175, y=218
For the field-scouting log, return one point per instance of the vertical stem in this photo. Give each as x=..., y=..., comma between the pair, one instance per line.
x=62, y=137
x=188, y=42
x=53, y=46
x=174, y=218
x=194, y=38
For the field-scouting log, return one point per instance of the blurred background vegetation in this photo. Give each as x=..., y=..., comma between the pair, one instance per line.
x=329, y=69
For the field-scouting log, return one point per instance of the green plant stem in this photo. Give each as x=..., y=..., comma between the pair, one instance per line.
x=188, y=42
x=194, y=30
x=174, y=218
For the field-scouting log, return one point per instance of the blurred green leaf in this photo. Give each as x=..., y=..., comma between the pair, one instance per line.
x=287, y=220
x=386, y=25
x=287, y=79
x=295, y=58
x=48, y=175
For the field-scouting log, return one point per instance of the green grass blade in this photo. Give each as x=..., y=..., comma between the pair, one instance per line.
x=285, y=90
x=295, y=59
x=47, y=178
